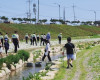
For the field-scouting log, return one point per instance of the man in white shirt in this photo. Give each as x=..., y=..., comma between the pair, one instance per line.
x=44, y=39
x=47, y=51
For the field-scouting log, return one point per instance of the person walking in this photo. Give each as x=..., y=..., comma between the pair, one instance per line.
x=31, y=39
x=6, y=46
x=1, y=49
x=38, y=38
x=70, y=49
x=26, y=38
x=48, y=37
x=47, y=51
x=1, y=38
x=6, y=37
x=41, y=39
x=60, y=37
x=15, y=41
x=34, y=39
x=44, y=39
x=18, y=39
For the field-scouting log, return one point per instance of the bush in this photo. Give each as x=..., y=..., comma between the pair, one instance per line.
x=23, y=55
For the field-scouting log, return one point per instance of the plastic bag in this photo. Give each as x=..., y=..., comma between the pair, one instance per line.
x=75, y=56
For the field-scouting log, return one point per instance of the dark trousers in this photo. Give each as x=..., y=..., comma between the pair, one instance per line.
x=31, y=41
x=41, y=41
x=15, y=42
x=26, y=40
x=6, y=50
x=2, y=42
x=34, y=41
x=47, y=56
x=37, y=39
x=44, y=41
x=59, y=40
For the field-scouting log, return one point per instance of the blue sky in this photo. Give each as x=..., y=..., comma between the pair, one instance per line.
x=48, y=10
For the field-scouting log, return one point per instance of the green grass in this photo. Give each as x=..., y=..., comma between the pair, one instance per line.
x=61, y=73
x=73, y=31
x=94, y=62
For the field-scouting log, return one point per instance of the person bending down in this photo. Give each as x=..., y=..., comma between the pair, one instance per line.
x=47, y=51
x=70, y=48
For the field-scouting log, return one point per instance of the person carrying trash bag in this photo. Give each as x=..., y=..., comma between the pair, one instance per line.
x=47, y=51
x=15, y=41
x=70, y=51
x=26, y=38
x=60, y=37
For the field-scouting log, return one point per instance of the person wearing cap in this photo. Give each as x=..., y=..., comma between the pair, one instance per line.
x=34, y=39
x=47, y=51
x=26, y=38
x=60, y=37
x=6, y=46
x=1, y=38
x=15, y=41
x=48, y=37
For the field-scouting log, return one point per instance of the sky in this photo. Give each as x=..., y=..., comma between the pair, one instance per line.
x=84, y=9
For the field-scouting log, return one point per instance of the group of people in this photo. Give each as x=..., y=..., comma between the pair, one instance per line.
x=44, y=40
x=36, y=38
x=4, y=42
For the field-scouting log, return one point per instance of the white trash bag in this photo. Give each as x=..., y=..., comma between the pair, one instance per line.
x=75, y=56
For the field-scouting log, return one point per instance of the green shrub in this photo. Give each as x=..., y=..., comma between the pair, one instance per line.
x=23, y=55
x=1, y=62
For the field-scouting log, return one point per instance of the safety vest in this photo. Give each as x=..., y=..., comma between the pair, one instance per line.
x=6, y=36
x=60, y=35
x=26, y=35
x=14, y=36
x=34, y=35
x=1, y=37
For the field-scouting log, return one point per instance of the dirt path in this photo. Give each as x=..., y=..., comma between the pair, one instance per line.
x=28, y=46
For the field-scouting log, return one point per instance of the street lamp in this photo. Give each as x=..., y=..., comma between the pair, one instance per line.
x=59, y=10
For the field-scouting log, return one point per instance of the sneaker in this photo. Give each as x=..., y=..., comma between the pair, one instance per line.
x=71, y=65
x=67, y=67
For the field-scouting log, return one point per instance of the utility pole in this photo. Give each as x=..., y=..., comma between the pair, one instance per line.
x=59, y=10
x=95, y=15
x=38, y=11
x=29, y=12
x=64, y=15
x=74, y=12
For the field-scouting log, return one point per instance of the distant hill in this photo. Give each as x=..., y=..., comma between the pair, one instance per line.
x=66, y=30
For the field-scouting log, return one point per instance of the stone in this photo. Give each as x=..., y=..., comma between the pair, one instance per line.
x=13, y=68
x=4, y=65
x=1, y=75
x=3, y=72
x=6, y=70
x=29, y=64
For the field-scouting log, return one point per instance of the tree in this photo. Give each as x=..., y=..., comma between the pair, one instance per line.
x=53, y=20
x=33, y=20
x=14, y=19
x=4, y=18
x=19, y=19
x=44, y=20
